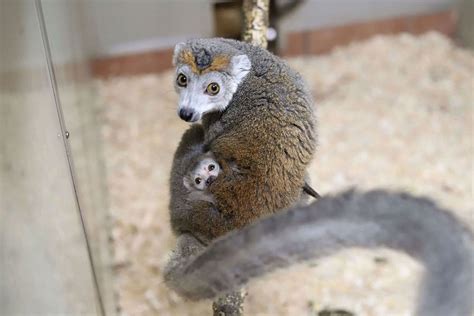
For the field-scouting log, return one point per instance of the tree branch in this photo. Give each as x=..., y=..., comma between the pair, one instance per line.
x=255, y=32
x=255, y=22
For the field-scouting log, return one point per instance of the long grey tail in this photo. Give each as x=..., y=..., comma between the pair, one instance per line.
x=370, y=220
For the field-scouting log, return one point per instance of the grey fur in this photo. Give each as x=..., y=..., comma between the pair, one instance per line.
x=371, y=220
x=189, y=215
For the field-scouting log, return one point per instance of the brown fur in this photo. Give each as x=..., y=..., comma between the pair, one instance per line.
x=272, y=168
x=219, y=63
x=186, y=57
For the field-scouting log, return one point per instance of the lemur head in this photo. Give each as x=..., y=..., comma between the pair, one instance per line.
x=208, y=72
x=202, y=173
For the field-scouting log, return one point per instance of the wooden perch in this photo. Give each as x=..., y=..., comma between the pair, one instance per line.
x=255, y=32
x=229, y=305
x=255, y=22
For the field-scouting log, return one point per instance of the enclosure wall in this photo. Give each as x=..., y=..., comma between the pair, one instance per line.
x=48, y=236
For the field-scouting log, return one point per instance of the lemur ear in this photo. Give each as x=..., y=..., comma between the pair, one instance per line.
x=186, y=183
x=177, y=50
x=240, y=66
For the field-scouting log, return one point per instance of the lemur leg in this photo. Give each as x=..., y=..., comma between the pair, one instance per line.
x=187, y=246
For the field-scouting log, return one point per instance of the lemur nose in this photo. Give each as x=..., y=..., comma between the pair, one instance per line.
x=186, y=114
x=210, y=180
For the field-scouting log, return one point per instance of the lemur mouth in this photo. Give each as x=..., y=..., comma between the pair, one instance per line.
x=210, y=180
x=194, y=119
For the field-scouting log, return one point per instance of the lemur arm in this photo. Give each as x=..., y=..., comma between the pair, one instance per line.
x=371, y=220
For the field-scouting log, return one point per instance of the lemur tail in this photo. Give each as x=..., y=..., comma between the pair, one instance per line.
x=370, y=220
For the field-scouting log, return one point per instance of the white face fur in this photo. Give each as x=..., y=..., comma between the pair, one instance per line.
x=208, y=92
x=205, y=172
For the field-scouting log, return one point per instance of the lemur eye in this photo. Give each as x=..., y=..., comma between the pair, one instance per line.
x=197, y=180
x=211, y=167
x=182, y=81
x=213, y=88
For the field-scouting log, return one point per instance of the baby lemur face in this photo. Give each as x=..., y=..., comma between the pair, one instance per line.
x=202, y=175
x=205, y=80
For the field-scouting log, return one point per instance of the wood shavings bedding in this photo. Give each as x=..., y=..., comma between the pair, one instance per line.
x=394, y=112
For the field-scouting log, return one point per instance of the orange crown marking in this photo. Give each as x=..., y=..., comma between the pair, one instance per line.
x=186, y=57
x=219, y=63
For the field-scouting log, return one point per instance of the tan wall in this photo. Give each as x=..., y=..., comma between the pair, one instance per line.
x=315, y=14
x=117, y=27
x=44, y=263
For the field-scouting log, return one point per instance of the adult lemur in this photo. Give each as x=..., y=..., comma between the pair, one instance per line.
x=257, y=115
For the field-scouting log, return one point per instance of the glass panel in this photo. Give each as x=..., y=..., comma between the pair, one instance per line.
x=80, y=105
x=44, y=262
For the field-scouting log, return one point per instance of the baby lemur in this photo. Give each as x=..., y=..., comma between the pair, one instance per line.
x=199, y=176
x=195, y=213
x=256, y=115
x=193, y=171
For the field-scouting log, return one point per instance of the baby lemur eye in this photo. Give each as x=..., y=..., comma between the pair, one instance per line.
x=182, y=81
x=197, y=180
x=211, y=167
x=213, y=88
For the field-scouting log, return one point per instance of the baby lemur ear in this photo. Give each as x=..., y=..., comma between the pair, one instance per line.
x=187, y=184
x=177, y=50
x=240, y=66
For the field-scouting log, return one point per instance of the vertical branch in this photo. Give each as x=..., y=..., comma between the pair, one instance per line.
x=255, y=22
x=231, y=304
x=255, y=32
